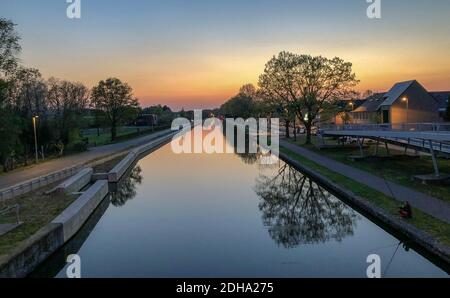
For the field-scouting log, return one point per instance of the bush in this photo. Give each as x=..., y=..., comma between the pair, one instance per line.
x=81, y=146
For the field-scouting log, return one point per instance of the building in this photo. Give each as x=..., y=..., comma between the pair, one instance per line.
x=442, y=98
x=406, y=102
x=146, y=120
x=340, y=112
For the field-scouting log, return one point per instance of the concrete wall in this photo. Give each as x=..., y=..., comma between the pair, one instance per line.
x=75, y=183
x=79, y=211
x=30, y=253
x=28, y=186
x=121, y=168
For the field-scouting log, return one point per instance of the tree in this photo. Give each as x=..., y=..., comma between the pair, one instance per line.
x=298, y=211
x=116, y=100
x=9, y=122
x=248, y=90
x=9, y=130
x=243, y=105
x=304, y=83
x=9, y=46
x=66, y=102
x=26, y=96
x=240, y=106
x=447, y=111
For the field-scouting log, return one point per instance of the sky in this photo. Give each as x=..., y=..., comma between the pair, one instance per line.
x=197, y=53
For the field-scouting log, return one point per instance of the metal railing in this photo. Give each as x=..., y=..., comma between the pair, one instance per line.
x=406, y=127
x=28, y=186
x=15, y=208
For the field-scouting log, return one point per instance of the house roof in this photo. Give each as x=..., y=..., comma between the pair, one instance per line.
x=371, y=103
x=345, y=103
x=442, y=98
x=396, y=92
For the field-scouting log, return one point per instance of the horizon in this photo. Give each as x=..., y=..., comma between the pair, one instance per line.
x=198, y=54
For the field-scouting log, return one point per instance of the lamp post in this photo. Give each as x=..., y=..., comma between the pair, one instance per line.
x=406, y=100
x=35, y=138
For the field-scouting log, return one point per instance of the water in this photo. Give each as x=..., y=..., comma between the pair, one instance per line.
x=225, y=215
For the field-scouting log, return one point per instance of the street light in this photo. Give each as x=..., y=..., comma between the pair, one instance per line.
x=406, y=100
x=35, y=137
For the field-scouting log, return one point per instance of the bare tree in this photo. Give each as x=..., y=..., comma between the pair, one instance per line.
x=66, y=101
x=248, y=90
x=304, y=83
x=9, y=46
x=298, y=211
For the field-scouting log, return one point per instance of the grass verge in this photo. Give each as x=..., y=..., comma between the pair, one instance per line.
x=399, y=171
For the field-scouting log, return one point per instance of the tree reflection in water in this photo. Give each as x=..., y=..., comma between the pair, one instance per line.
x=298, y=211
x=126, y=189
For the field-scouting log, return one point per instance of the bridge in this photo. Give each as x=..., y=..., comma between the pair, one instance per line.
x=432, y=138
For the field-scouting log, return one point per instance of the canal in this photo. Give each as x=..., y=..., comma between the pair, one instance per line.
x=226, y=215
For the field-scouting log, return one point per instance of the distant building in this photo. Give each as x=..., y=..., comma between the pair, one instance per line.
x=406, y=102
x=146, y=120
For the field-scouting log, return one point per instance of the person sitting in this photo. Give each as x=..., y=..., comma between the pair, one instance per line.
x=406, y=211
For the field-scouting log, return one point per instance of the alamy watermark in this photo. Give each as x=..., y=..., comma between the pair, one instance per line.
x=250, y=136
x=374, y=268
x=374, y=9
x=74, y=268
x=74, y=9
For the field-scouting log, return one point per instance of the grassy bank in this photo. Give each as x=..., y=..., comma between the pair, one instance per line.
x=123, y=134
x=36, y=210
x=435, y=227
x=399, y=171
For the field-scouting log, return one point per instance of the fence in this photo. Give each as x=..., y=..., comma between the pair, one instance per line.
x=408, y=127
x=28, y=186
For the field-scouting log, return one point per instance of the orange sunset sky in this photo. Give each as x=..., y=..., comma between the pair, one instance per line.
x=197, y=53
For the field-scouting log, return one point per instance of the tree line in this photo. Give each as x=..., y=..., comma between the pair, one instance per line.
x=295, y=87
x=56, y=109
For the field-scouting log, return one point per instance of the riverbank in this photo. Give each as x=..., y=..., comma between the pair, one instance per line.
x=17, y=178
x=23, y=249
x=399, y=169
x=431, y=234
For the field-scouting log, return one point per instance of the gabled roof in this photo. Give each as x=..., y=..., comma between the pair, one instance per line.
x=442, y=98
x=345, y=103
x=371, y=103
x=396, y=92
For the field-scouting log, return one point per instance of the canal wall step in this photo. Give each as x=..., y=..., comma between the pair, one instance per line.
x=75, y=183
x=79, y=211
x=122, y=167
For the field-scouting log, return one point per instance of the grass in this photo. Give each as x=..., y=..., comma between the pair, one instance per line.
x=36, y=210
x=109, y=165
x=399, y=171
x=123, y=133
x=435, y=227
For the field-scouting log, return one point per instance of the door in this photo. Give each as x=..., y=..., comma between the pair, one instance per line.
x=385, y=116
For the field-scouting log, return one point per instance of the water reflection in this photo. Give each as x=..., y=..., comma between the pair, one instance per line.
x=126, y=189
x=298, y=211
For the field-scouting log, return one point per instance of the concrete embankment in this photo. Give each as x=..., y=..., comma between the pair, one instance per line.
x=121, y=168
x=76, y=214
x=424, y=240
x=29, y=254
x=76, y=182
